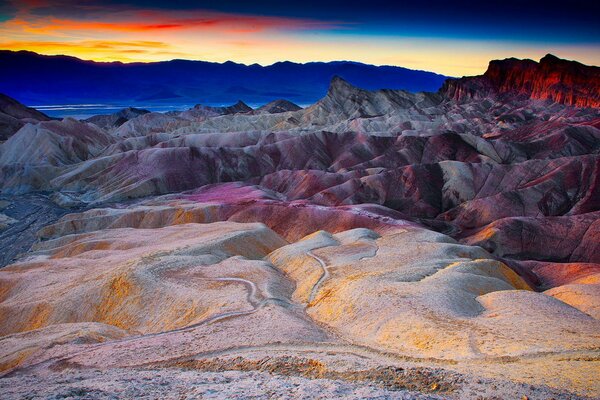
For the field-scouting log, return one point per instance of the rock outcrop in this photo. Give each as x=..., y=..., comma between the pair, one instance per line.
x=278, y=106
x=13, y=115
x=149, y=124
x=554, y=79
x=117, y=119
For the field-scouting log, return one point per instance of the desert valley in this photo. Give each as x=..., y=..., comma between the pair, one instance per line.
x=375, y=244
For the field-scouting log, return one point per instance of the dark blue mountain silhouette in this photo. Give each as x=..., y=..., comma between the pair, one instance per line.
x=38, y=79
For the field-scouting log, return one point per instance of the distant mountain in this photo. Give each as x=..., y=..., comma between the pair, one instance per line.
x=38, y=79
x=555, y=79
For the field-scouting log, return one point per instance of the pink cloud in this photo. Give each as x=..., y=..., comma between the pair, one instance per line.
x=49, y=17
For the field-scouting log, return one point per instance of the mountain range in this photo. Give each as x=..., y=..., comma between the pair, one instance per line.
x=36, y=79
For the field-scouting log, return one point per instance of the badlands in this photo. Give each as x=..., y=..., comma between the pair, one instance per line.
x=376, y=244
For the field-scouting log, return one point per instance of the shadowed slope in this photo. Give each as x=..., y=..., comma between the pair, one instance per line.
x=13, y=115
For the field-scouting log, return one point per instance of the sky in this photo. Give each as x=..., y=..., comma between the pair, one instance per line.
x=449, y=37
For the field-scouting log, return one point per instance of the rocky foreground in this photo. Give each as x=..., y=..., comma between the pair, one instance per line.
x=373, y=245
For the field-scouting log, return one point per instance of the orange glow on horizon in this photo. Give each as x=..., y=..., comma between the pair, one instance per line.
x=145, y=35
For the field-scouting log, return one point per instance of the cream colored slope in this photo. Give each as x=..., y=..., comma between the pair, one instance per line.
x=142, y=280
x=140, y=216
x=582, y=293
x=16, y=348
x=419, y=293
x=299, y=262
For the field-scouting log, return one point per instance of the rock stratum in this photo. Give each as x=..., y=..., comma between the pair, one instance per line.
x=376, y=244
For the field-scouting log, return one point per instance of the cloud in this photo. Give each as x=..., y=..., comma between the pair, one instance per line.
x=61, y=17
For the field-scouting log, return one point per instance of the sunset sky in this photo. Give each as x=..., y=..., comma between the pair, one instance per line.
x=439, y=36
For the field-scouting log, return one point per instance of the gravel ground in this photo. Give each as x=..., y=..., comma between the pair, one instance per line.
x=174, y=383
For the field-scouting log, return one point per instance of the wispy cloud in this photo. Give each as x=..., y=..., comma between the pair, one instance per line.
x=58, y=17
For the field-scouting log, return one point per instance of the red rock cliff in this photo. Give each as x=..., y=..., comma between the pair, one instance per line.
x=562, y=81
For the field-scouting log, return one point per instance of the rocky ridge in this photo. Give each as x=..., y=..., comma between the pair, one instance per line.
x=554, y=79
x=117, y=119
